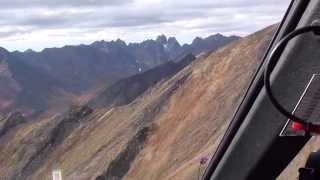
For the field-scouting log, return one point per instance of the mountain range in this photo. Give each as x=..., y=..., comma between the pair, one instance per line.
x=34, y=82
x=157, y=116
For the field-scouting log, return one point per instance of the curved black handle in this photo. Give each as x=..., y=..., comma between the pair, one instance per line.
x=267, y=72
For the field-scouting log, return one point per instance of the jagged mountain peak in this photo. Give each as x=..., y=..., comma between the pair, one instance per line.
x=172, y=40
x=162, y=39
x=29, y=51
x=196, y=40
x=121, y=42
x=218, y=35
x=104, y=43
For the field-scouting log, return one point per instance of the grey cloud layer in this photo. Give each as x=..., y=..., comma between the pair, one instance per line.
x=222, y=16
x=59, y=3
x=125, y=14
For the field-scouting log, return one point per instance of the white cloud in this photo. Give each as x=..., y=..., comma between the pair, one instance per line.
x=47, y=23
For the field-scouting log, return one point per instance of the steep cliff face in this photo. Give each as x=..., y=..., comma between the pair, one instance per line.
x=160, y=134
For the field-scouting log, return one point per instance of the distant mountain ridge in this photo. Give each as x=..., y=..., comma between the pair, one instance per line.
x=167, y=48
x=81, y=71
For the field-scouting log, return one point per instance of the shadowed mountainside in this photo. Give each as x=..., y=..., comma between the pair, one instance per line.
x=27, y=88
x=126, y=90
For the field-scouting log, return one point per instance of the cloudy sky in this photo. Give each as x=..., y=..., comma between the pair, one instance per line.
x=38, y=24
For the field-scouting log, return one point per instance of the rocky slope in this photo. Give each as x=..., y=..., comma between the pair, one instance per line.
x=161, y=134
